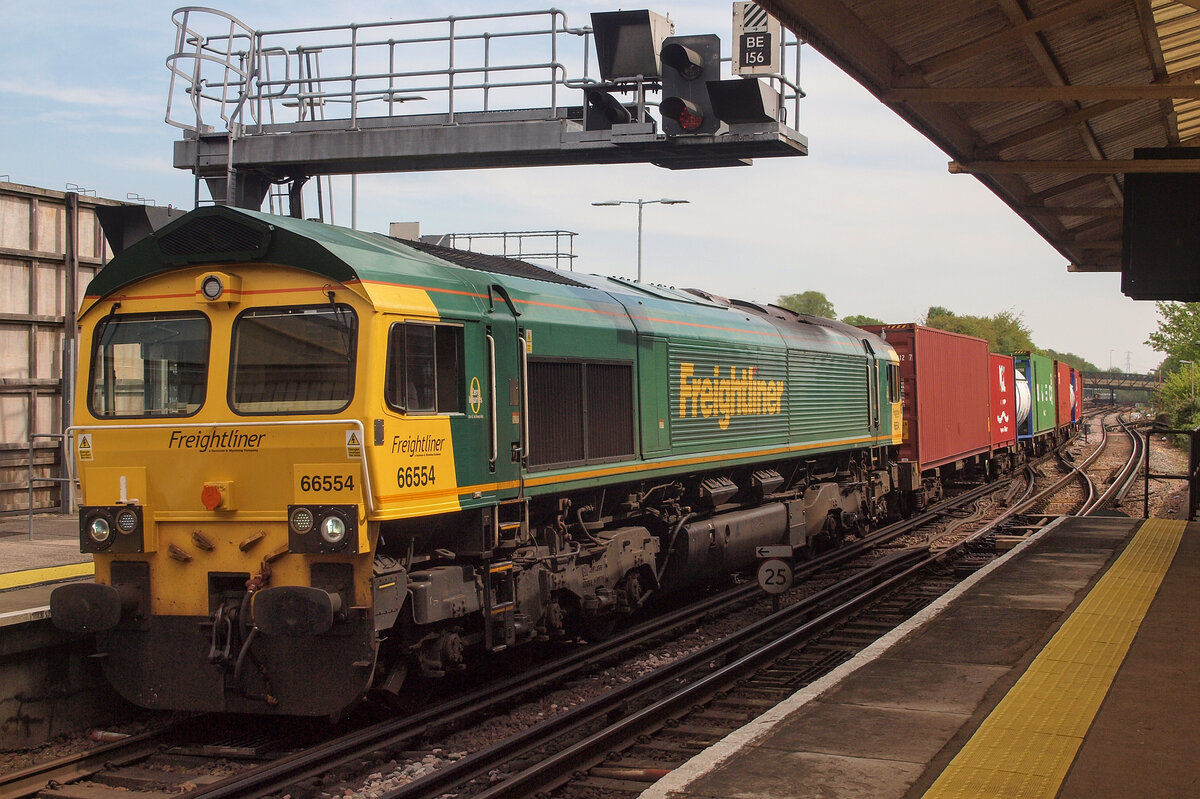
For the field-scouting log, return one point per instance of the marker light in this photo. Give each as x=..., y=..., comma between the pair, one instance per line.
x=99, y=530
x=336, y=528
x=302, y=520
x=333, y=529
x=127, y=521
x=212, y=287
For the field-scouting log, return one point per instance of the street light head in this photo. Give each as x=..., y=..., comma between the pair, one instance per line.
x=639, y=202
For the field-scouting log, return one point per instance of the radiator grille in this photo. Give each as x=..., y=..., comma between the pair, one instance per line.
x=212, y=236
x=610, y=410
x=579, y=412
x=555, y=412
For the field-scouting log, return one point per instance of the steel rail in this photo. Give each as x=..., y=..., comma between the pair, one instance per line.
x=30, y=781
x=1120, y=486
x=797, y=620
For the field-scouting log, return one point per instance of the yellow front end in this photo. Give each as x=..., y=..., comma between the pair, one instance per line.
x=220, y=448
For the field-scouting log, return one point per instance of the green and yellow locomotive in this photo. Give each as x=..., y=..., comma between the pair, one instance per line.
x=315, y=461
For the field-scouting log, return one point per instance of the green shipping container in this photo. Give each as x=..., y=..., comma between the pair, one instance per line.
x=1039, y=372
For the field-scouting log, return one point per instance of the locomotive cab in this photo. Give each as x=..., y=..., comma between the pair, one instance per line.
x=226, y=488
x=213, y=445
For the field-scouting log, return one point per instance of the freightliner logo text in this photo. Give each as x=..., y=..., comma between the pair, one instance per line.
x=741, y=393
x=224, y=441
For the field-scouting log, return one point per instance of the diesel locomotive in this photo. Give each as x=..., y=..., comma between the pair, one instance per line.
x=316, y=462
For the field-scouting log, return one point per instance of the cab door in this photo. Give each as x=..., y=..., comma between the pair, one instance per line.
x=508, y=520
x=507, y=361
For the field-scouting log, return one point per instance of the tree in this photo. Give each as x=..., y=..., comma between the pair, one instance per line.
x=858, y=320
x=1178, y=333
x=1178, y=336
x=1175, y=399
x=1071, y=359
x=1005, y=332
x=809, y=302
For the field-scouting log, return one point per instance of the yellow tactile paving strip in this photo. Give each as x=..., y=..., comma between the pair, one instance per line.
x=35, y=576
x=1025, y=747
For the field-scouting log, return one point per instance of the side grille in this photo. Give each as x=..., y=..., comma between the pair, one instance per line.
x=610, y=410
x=579, y=412
x=555, y=413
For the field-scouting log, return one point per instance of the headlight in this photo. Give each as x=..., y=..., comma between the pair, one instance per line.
x=317, y=529
x=212, y=287
x=127, y=521
x=333, y=529
x=99, y=530
x=302, y=520
x=99, y=526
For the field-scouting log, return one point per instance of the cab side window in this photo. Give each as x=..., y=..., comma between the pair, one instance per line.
x=425, y=368
x=893, y=375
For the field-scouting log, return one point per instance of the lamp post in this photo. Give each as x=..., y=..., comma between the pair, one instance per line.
x=1193, y=364
x=639, y=203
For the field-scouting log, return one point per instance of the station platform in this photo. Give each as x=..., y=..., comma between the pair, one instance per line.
x=31, y=568
x=1069, y=668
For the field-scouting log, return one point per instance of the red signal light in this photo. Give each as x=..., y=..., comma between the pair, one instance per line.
x=685, y=112
x=689, y=121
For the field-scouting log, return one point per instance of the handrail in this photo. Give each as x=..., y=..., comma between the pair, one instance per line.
x=524, y=352
x=393, y=62
x=495, y=452
x=65, y=493
x=356, y=423
x=255, y=78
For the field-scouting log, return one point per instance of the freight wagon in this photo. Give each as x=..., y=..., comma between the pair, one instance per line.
x=944, y=396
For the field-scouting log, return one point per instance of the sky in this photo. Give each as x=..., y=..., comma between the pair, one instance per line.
x=871, y=217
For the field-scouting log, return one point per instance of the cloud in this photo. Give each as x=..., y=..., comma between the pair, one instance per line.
x=114, y=100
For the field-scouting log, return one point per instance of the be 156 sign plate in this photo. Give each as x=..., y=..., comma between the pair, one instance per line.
x=756, y=41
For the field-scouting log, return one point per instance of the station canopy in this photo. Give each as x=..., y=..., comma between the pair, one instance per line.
x=1047, y=102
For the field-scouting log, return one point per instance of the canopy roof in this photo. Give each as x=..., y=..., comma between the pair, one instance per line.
x=1045, y=101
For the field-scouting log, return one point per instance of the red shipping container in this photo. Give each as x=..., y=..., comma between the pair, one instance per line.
x=1062, y=393
x=1003, y=420
x=944, y=394
x=1077, y=407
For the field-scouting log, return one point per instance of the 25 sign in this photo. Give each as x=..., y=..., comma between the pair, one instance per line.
x=775, y=576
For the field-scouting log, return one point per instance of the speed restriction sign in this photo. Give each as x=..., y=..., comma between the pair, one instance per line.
x=775, y=576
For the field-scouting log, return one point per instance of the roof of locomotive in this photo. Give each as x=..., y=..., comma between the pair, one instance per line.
x=222, y=234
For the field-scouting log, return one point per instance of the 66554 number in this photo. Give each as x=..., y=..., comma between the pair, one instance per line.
x=415, y=476
x=327, y=482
